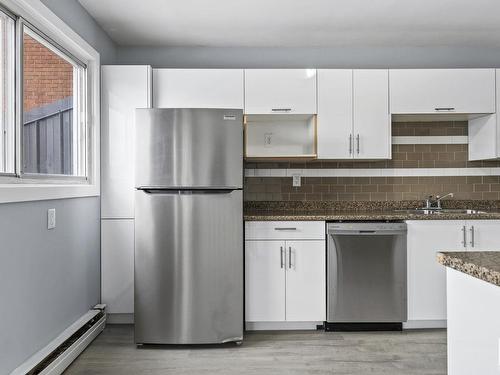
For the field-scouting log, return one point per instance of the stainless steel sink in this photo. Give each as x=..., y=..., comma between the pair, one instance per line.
x=423, y=211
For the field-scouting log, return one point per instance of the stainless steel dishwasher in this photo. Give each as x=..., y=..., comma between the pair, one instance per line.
x=366, y=276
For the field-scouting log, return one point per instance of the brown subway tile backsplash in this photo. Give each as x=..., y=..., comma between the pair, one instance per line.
x=391, y=188
x=385, y=188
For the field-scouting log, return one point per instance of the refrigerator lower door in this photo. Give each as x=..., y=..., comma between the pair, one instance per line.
x=188, y=267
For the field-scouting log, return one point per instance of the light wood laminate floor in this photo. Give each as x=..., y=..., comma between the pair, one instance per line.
x=299, y=352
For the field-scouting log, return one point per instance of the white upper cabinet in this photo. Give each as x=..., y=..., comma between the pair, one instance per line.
x=353, y=114
x=484, y=133
x=335, y=113
x=280, y=91
x=372, y=122
x=198, y=88
x=430, y=91
x=123, y=89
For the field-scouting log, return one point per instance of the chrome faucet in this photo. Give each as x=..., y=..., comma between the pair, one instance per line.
x=435, y=204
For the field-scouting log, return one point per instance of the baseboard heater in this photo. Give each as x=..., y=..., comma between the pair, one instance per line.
x=64, y=349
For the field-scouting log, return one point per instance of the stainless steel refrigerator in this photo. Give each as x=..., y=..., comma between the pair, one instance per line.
x=188, y=226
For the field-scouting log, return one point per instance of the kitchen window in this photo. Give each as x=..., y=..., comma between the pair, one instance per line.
x=53, y=120
x=49, y=107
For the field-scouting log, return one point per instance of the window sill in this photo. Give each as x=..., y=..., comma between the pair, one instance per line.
x=24, y=192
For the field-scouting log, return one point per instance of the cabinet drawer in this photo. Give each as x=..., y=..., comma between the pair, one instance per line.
x=284, y=230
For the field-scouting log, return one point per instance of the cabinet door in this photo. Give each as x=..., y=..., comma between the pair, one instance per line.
x=426, y=277
x=335, y=130
x=280, y=91
x=198, y=88
x=372, y=123
x=305, y=281
x=117, y=265
x=442, y=90
x=483, y=235
x=484, y=134
x=123, y=89
x=264, y=281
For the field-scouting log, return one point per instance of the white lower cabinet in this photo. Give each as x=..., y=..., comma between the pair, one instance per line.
x=426, y=277
x=265, y=281
x=483, y=235
x=305, y=281
x=117, y=265
x=285, y=280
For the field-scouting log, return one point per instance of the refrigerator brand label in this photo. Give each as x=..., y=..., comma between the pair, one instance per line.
x=229, y=117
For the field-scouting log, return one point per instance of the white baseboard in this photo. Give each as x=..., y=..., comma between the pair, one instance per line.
x=281, y=326
x=424, y=324
x=65, y=359
x=75, y=349
x=120, y=318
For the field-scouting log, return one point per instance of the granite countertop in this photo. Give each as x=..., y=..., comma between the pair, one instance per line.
x=365, y=210
x=362, y=215
x=484, y=265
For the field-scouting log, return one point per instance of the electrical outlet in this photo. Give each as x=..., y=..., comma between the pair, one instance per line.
x=51, y=218
x=296, y=180
x=268, y=139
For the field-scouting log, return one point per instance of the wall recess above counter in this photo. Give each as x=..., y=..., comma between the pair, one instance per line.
x=280, y=137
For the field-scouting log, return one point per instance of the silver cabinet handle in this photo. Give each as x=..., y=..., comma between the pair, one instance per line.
x=444, y=109
x=357, y=144
x=289, y=257
x=464, y=231
x=281, y=109
x=472, y=236
x=284, y=228
x=282, y=264
x=350, y=144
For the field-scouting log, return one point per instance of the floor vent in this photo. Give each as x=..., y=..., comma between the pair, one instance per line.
x=58, y=355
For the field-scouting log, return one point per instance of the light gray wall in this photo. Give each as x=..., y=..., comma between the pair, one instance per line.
x=48, y=278
x=347, y=57
x=72, y=13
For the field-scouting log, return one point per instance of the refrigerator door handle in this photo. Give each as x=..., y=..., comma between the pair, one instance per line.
x=185, y=191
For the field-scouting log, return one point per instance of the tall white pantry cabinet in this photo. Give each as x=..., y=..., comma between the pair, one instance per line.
x=123, y=89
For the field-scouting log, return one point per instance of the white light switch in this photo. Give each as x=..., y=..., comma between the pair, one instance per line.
x=296, y=180
x=51, y=218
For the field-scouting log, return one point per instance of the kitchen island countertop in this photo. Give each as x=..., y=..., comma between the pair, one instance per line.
x=484, y=265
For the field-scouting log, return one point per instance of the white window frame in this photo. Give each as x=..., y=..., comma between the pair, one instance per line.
x=79, y=113
x=15, y=189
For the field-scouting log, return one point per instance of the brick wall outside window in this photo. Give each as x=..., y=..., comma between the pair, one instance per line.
x=47, y=77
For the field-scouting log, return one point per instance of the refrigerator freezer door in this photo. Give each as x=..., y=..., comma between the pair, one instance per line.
x=196, y=148
x=188, y=267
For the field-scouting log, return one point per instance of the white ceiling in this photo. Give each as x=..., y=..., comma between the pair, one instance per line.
x=299, y=23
